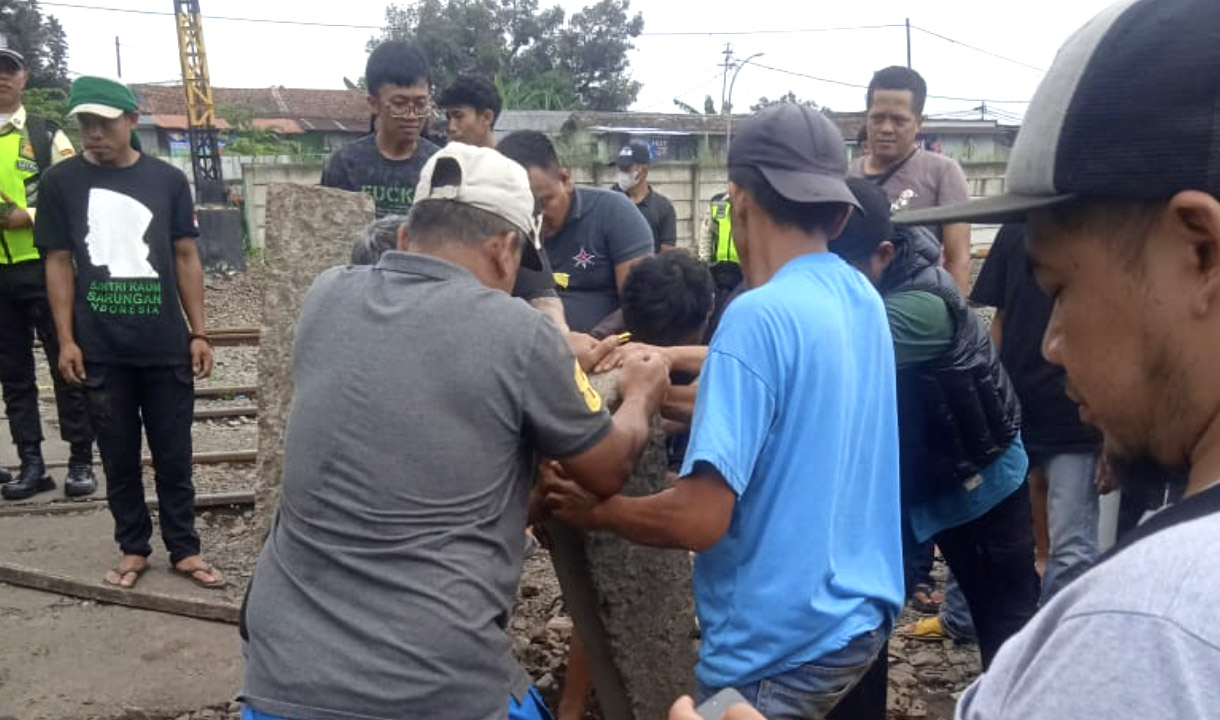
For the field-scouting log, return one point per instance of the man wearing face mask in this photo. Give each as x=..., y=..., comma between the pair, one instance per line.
x=633, y=163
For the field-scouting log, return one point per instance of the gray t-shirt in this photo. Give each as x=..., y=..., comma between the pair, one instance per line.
x=926, y=180
x=1136, y=637
x=421, y=402
x=603, y=230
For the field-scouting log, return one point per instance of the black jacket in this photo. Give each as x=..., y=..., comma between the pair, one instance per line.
x=958, y=413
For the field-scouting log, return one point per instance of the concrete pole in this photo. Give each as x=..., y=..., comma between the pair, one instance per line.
x=728, y=137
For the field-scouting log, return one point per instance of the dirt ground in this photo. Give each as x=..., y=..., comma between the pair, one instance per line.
x=68, y=659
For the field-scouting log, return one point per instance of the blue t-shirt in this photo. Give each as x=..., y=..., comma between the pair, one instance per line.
x=797, y=410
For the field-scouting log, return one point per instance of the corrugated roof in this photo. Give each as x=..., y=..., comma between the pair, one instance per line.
x=333, y=110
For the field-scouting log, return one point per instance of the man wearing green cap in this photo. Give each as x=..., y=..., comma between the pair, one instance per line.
x=118, y=230
x=30, y=144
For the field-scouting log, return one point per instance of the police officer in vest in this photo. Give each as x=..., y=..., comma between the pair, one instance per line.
x=722, y=256
x=28, y=145
x=963, y=464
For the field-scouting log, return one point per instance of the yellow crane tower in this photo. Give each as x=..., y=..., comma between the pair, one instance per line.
x=200, y=109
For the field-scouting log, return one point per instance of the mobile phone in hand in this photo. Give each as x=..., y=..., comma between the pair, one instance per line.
x=717, y=705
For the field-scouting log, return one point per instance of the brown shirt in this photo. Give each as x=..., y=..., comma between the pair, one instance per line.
x=926, y=180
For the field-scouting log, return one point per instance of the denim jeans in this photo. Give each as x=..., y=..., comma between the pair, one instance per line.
x=955, y=613
x=1072, y=512
x=811, y=691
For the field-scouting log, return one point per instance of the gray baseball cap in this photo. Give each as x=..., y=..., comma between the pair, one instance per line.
x=799, y=151
x=9, y=50
x=1127, y=110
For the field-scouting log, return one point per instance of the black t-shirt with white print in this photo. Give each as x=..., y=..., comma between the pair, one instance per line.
x=360, y=167
x=121, y=225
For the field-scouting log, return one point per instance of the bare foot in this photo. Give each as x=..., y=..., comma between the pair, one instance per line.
x=127, y=573
x=200, y=572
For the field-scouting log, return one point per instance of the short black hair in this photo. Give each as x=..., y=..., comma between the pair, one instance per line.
x=530, y=148
x=474, y=90
x=396, y=63
x=807, y=217
x=667, y=297
x=897, y=77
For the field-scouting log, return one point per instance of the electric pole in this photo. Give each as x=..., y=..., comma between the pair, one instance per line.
x=118, y=57
x=908, y=43
x=724, y=79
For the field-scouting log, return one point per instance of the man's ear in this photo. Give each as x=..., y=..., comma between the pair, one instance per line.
x=1194, y=218
x=505, y=250
x=374, y=104
x=837, y=228
x=565, y=178
x=489, y=117
x=403, y=241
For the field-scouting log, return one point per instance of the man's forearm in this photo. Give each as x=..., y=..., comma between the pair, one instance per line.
x=552, y=307
x=687, y=358
x=190, y=289
x=668, y=519
x=679, y=403
x=956, y=238
x=61, y=293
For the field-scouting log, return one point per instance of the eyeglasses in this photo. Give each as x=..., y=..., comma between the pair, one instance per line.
x=405, y=107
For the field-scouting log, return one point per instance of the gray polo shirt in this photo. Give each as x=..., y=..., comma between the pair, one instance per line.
x=422, y=400
x=603, y=230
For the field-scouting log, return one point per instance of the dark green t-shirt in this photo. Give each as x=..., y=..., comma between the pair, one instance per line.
x=921, y=325
x=360, y=167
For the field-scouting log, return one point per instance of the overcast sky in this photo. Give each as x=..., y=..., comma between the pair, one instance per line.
x=246, y=54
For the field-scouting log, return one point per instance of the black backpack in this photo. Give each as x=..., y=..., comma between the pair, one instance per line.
x=41, y=133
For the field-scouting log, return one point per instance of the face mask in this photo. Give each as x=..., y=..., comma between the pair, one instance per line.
x=627, y=181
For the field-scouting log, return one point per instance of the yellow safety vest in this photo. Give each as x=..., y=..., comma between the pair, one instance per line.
x=18, y=170
x=725, y=250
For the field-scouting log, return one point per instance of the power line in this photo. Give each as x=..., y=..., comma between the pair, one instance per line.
x=844, y=83
x=678, y=96
x=165, y=13
x=977, y=49
x=777, y=31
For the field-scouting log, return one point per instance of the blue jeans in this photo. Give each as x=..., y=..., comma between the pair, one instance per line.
x=531, y=707
x=955, y=614
x=811, y=691
x=1072, y=512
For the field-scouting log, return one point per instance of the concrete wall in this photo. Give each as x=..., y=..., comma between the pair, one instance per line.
x=256, y=178
x=690, y=186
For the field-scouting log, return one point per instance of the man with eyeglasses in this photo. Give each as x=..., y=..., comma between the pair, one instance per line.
x=385, y=165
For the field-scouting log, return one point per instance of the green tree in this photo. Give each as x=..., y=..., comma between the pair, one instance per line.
x=245, y=139
x=788, y=99
x=543, y=59
x=40, y=39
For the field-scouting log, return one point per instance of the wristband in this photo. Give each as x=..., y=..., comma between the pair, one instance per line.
x=204, y=338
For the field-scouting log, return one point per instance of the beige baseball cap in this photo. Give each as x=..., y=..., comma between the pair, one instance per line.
x=485, y=179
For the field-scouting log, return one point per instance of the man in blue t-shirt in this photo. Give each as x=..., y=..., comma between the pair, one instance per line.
x=790, y=486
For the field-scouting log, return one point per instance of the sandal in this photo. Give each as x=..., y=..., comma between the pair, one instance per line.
x=926, y=599
x=191, y=573
x=929, y=628
x=118, y=574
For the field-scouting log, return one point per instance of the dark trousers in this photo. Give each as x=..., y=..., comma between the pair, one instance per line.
x=917, y=560
x=24, y=311
x=992, y=558
x=162, y=401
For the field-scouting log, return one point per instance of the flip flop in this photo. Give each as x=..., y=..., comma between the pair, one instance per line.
x=124, y=572
x=189, y=574
x=929, y=628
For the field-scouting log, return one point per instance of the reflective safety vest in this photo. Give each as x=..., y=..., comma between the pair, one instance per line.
x=18, y=179
x=725, y=251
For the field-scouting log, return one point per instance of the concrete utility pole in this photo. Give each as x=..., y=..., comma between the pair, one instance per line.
x=724, y=79
x=728, y=138
x=118, y=57
x=908, y=43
